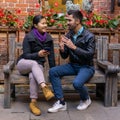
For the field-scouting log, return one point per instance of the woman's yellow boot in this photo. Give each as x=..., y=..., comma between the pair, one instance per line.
x=34, y=108
x=47, y=93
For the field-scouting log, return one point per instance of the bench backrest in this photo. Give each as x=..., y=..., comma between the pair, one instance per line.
x=102, y=46
x=116, y=53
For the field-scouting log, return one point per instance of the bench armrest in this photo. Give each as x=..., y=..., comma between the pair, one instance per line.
x=108, y=66
x=8, y=67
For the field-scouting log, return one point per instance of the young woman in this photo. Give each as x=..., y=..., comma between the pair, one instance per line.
x=37, y=45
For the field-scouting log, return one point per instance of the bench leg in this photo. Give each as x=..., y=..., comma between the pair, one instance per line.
x=114, y=90
x=13, y=92
x=111, y=90
x=100, y=89
x=6, y=91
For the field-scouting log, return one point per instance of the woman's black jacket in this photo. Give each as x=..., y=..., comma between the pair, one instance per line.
x=31, y=47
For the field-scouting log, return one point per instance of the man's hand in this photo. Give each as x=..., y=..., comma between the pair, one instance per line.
x=68, y=43
x=43, y=53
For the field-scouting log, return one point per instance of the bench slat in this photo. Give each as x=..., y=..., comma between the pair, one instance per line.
x=17, y=78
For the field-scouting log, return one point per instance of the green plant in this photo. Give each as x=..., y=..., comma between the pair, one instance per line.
x=55, y=18
x=94, y=19
x=28, y=21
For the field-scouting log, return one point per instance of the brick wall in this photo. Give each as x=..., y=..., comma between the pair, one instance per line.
x=104, y=6
x=23, y=5
x=27, y=5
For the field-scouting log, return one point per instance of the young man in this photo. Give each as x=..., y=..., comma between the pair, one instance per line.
x=79, y=45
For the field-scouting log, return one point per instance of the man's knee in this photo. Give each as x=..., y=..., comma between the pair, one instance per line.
x=77, y=85
x=52, y=71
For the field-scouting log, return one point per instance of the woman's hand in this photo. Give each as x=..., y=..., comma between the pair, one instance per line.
x=43, y=53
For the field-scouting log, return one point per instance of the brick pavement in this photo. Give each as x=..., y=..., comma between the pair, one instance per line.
x=20, y=111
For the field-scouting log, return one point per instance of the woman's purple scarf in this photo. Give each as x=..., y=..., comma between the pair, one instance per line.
x=41, y=37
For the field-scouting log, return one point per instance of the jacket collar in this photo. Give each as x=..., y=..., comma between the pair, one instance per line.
x=78, y=33
x=33, y=38
x=72, y=33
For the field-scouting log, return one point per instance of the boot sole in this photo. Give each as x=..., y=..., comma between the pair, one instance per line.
x=49, y=98
x=84, y=108
x=35, y=114
x=62, y=109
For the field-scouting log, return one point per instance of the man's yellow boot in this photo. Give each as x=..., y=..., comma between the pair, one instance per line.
x=47, y=93
x=34, y=109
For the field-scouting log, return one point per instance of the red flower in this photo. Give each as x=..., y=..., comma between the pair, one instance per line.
x=51, y=10
x=18, y=11
x=52, y=20
x=31, y=13
x=60, y=25
x=56, y=4
x=37, y=5
x=89, y=23
x=1, y=15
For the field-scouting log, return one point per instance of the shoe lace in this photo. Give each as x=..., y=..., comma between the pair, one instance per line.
x=47, y=89
x=56, y=103
x=81, y=103
x=35, y=106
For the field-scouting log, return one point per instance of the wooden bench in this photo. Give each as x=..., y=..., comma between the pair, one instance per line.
x=105, y=76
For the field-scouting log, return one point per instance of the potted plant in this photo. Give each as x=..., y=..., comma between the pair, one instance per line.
x=98, y=20
x=91, y=19
x=9, y=18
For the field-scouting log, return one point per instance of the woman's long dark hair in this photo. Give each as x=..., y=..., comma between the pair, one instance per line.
x=36, y=20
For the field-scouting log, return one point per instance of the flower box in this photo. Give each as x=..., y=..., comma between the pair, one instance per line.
x=8, y=28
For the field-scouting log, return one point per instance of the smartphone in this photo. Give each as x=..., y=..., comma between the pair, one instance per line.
x=47, y=48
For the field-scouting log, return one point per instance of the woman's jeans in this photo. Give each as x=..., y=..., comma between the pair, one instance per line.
x=83, y=74
x=35, y=72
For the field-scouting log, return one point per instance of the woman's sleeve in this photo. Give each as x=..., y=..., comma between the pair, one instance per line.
x=27, y=54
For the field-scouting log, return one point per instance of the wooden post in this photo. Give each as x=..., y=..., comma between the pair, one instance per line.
x=111, y=90
x=118, y=2
x=7, y=91
x=112, y=6
x=43, y=6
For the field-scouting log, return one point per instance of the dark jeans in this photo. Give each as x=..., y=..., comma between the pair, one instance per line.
x=83, y=74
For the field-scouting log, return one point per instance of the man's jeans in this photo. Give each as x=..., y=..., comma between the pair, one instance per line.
x=83, y=74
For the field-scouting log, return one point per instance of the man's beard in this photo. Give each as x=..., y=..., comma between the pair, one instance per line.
x=71, y=27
